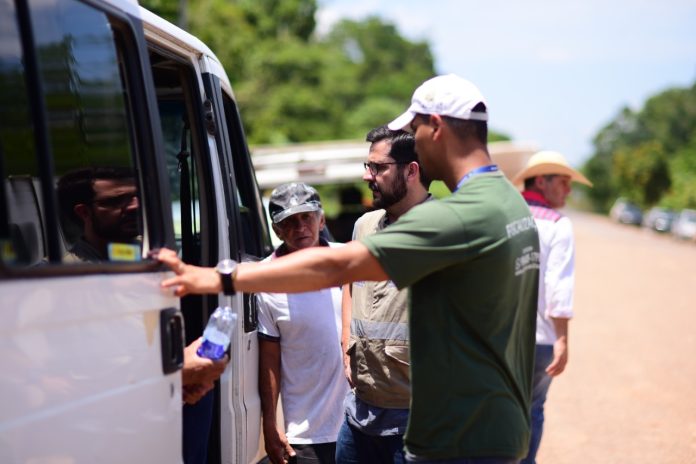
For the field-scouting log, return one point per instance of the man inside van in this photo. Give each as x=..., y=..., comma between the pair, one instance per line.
x=102, y=202
x=299, y=343
x=101, y=205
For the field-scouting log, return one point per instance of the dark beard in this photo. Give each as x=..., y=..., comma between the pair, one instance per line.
x=396, y=194
x=117, y=232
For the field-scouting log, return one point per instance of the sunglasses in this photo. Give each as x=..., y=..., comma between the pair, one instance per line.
x=117, y=202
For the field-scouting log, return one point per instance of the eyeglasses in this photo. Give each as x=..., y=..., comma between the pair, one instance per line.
x=117, y=202
x=376, y=168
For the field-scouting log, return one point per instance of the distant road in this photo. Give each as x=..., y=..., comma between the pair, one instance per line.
x=629, y=392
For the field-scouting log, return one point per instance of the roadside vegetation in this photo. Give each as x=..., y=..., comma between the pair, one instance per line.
x=648, y=156
x=296, y=84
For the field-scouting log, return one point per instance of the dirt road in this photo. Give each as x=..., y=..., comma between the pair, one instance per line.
x=629, y=393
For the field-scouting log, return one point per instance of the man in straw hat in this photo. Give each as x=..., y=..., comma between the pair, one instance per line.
x=547, y=178
x=471, y=262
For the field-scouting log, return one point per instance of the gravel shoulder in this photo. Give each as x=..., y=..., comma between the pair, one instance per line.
x=629, y=392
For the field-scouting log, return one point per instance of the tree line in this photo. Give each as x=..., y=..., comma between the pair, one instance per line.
x=648, y=156
x=295, y=85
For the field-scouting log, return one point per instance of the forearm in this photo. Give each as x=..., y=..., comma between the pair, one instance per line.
x=561, y=327
x=310, y=269
x=346, y=314
x=269, y=381
x=560, y=347
x=305, y=270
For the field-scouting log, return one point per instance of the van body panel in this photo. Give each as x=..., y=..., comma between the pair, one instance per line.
x=157, y=27
x=82, y=364
x=90, y=369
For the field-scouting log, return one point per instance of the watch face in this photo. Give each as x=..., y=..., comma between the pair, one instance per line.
x=226, y=266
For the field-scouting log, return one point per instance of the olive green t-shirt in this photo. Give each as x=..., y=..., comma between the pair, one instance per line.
x=471, y=261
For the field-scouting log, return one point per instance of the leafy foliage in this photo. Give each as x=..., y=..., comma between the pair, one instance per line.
x=648, y=156
x=295, y=86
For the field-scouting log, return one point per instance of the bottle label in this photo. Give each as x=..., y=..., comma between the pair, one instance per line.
x=211, y=350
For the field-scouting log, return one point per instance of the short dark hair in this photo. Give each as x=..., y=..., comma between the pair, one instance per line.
x=529, y=181
x=402, y=147
x=465, y=128
x=76, y=186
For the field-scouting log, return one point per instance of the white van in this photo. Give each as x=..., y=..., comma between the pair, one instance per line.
x=91, y=349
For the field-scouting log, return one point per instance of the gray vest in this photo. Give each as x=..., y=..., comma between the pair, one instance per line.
x=378, y=347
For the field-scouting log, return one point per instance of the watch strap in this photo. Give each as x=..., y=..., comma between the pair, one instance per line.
x=227, y=284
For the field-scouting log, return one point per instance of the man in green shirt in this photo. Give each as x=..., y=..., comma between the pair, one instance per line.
x=472, y=264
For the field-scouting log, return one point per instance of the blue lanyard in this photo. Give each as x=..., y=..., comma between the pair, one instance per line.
x=476, y=172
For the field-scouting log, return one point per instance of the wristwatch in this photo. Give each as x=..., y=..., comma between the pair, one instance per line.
x=227, y=269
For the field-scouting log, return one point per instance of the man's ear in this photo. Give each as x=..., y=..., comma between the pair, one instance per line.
x=322, y=221
x=436, y=124
x=413, y=171
x=81, y=210
x=278, y=231
x=539, y=182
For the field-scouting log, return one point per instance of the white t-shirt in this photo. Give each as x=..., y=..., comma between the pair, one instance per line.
x=313, y=386
x=556, y=272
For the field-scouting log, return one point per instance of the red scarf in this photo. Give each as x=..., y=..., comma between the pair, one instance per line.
x=535, y=198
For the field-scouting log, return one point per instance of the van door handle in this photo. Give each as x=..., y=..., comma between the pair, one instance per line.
x=172, y=337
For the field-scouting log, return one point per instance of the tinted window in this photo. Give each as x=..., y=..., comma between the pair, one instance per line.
x=21, y=242
x=84, y=94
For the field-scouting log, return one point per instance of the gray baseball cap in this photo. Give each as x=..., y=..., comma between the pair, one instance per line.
x=293, y=198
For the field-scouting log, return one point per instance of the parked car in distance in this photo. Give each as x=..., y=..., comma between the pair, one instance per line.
x=684, y=225
x=659, y=219
x=626, y=212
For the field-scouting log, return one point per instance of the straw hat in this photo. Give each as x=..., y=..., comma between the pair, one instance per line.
x=549, y=162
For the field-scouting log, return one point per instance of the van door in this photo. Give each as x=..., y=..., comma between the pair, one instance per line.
x=240, y=406
x=217, y=214
x=90, y=347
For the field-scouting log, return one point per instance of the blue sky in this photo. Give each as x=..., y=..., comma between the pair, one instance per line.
x=554, y=73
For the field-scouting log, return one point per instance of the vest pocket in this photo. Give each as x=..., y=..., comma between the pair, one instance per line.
x=397, y=352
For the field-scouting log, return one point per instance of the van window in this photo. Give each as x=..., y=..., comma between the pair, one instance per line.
x=21, y=234
x=95, y=178
x=254, y=229
x=188, y=169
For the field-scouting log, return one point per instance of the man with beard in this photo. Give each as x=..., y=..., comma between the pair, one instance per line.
x=103, y=202
x=375, y=320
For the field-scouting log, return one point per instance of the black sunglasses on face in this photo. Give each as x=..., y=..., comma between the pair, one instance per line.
x=376, y=168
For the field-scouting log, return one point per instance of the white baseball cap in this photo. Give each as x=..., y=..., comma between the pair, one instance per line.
x=448, y=95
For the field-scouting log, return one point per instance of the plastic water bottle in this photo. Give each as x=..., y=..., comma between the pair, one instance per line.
x=218, y=333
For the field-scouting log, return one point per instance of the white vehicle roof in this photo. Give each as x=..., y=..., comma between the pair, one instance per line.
x=167, y=34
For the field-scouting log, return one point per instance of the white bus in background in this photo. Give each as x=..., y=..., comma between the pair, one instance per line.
x=90, y=353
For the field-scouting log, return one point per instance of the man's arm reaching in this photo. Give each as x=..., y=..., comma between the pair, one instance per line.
x=305, y=270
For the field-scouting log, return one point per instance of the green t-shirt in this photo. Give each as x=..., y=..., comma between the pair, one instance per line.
x=472, y=264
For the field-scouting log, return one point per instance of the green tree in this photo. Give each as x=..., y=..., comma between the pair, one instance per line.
x=682, y=168
x=647, y=155
x=293, y=86
x=280, y=19
x=642, y=173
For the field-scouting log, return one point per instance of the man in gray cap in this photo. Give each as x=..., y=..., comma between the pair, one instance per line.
x=471, y=261
x=299, y=343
